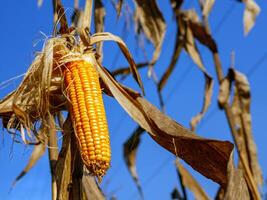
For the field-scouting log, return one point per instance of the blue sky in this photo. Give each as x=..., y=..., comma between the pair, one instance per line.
x=22, y=25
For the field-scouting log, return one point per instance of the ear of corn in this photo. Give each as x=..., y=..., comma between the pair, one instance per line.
x=88, y=116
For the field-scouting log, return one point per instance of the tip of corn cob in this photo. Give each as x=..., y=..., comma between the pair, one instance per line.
x=97, y=168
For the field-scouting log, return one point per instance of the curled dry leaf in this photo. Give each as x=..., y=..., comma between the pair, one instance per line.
x=189, y=182
x=206, y=103
x=39, y=93
x=209, y=157
x=191, y=19
x=187, y=36
x=203, y=36
x=251, y=11
x=189, y=29
x=130, y=148
x=6, y=106
x=105, y=36
x=149, y=19
x=59, y=15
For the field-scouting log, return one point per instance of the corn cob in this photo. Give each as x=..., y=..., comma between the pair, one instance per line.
x=88, y=116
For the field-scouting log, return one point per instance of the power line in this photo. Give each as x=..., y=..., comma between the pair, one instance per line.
x=207, y=118
x=225, y=17
x=154, y=174
x=257, y=65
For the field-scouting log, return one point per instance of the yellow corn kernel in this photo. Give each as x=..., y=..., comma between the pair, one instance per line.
x=88, y=116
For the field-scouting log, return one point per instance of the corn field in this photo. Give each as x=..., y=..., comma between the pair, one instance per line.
x=133, y=99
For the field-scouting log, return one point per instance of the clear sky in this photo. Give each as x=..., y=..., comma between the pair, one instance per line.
x=23, y=26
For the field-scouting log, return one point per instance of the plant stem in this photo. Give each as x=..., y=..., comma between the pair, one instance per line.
x=53, y=153
x=231, y=122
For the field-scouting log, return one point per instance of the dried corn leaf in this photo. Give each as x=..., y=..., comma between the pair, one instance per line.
x=189, y=29
x=189, y=42
x=175, y=195
x=224, y=92
x=6, y=105
x=40, y=3
x=251, y=11
x=130, y=148
x=99, y=24
x=37, y=153
x=207, y=6
x=209, y=157
x=119, y=6
x=237, y=187
x=105, y=36
x=207, y=101
x=149, y=19
x=40, y=91
x=77, y=18
x=200, y=32
x=176, y=5
x=76, y=4
x=87, y=15
x=189, y=182
x=59, y=15
x=188, y=20
x=187, y=35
